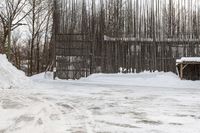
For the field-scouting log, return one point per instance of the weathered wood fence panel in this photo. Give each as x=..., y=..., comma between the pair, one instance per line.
x=73, y=56
x=77, y=57
x=138, y=56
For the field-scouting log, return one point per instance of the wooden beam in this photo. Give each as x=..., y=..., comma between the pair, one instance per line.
x=185, y=66
x=181, y=71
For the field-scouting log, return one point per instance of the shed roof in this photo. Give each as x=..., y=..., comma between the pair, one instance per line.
x=192, y=60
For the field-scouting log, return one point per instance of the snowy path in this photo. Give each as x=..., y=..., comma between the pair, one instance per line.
x=80, y=107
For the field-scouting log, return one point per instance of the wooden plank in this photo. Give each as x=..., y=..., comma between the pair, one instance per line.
x=181, y=71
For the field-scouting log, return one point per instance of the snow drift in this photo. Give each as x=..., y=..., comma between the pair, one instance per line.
x=10, y=76
x=43, y=76
x=155, y=79
x=145, y=79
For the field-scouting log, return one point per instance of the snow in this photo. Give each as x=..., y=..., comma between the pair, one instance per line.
x=156, y=79
x=188, y=59
x=10, y=77
x=113, y=103
x=45, y=75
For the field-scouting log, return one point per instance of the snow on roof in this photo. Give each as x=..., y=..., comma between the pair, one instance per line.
x=188, y=59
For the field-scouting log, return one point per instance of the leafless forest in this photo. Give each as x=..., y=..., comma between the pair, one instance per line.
x=149, y=19
x=121, y=33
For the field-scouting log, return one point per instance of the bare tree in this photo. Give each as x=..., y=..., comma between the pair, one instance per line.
x=16, y=49
x=1, y=38
x=38, y=21
x=12, y=13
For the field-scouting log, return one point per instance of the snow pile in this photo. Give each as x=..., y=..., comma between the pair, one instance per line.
x=43, y=76
x=156, y=79
x=10, y=76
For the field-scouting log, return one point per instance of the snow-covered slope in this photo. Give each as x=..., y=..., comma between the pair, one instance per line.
x=145, y=79
x=42, y=76
x=111, y=103
x=10, y=76
x=156, y=79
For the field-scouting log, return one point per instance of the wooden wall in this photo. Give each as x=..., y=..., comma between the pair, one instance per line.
x=77, y=56
x=138, y=56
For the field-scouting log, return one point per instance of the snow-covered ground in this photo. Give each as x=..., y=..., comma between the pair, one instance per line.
x=102, y=103
x=10, y=77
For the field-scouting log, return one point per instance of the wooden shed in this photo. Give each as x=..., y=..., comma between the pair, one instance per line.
x=188, y=68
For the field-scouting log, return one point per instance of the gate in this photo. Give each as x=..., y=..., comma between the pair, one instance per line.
x=73, y=56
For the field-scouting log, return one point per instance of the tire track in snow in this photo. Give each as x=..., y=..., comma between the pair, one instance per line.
x=30, y=111
x=84, y=117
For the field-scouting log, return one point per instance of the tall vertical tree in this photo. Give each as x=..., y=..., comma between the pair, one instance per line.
x=11, y=15
x=37, y=20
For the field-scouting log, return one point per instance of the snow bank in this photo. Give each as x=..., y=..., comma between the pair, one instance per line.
x=10, y=76
x=42, y=76
x=145, y=79
x=156, y=79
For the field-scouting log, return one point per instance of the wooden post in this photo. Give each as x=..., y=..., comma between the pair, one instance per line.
x=181, y=71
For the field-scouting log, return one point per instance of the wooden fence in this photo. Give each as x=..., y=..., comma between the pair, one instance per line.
x=77, y=56
x=138, y=56
x=73, y=56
